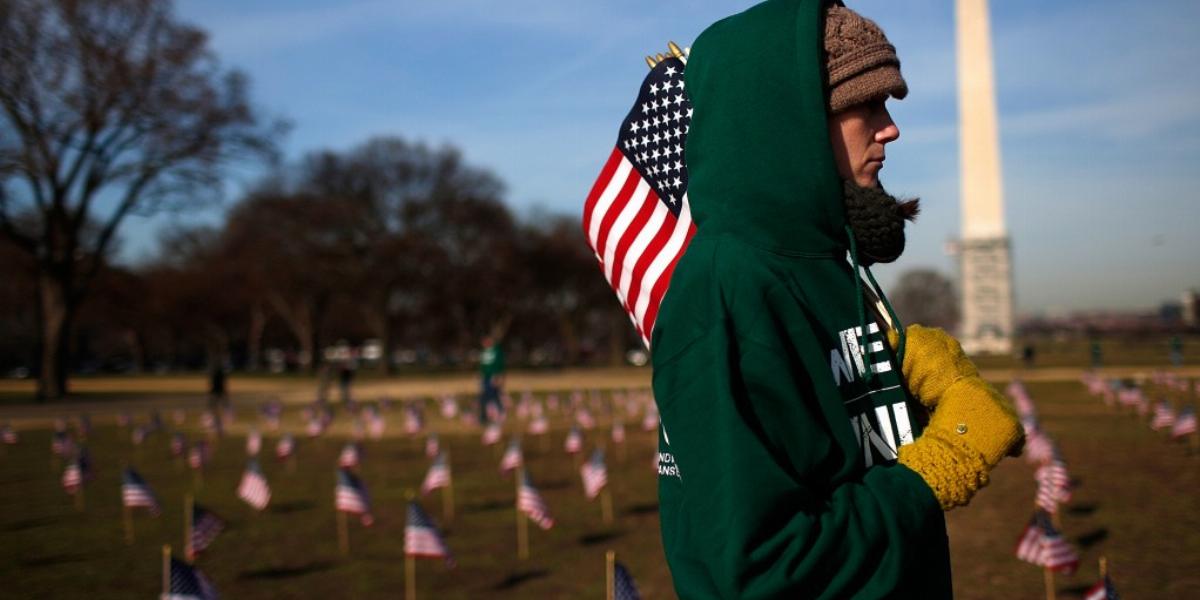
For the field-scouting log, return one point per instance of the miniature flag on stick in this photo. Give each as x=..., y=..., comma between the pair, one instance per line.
x=351, y=497
x=1164, y=417
x=513, y=457
x=432, y=445
x=253, y=442
x=136, y=493
x=637, y=218
x=422, y=538
x=285, y=447
x=530, y=502
x=205, y=527
x=8, y=435
x=1042, y=545
x=1185, y=424
x=198, y=455
x=491, y=433
x=438, y=475
x=574, y=442
x=349, y=457
x=595, y=474
x=253, y=488
x=178, y=444
x=619, y=583
x=188, y=583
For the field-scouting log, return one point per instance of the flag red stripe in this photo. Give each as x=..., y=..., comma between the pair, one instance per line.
x=660, y=288
x=618, y=204
x=649, y=201
x=606, y=174
x=657, y=243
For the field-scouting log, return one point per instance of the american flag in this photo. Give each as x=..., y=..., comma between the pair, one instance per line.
x=178, y=444
x=349, y=456
x=449, y=407
x=513, y=457
x=253, y=488
x=206, y=525
x=135, y=493
x=585, y=419
x=595, y=474
x=1041, y=544
x=1164, y=416
x=198, y=455
x=253, y=442
x=1103, y=590
x=285, y=446
x=8, y=435
x=1185, y=424
x=1054, y=485
x=491, y=433
x=650, y=420
x=574, y=442
x=438, y=475
x=530, y=502
x=138, y=435
x=413, y=421
x=350, y=496
x=72, y=477
x=539, y=425
x=60, y=443
x=623, y=586
x=637, y=218
x=1039, y=448
x=84, y=423
x=187, y=583
x=432, y=445
x=618, y=431
x=315, y=427
x=124, y=419
x=179, y=416
x=422, y=538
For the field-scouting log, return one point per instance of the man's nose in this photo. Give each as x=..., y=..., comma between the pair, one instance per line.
x=888, y=131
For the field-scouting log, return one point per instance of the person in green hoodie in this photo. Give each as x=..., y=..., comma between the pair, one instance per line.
x=809, y=444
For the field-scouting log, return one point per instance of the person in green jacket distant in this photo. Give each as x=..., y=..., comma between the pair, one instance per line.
x=809, y=444
x=491, y=371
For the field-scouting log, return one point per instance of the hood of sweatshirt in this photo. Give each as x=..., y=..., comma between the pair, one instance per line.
x=759, y=158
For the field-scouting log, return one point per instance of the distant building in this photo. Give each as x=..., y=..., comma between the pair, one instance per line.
x=1190, y=308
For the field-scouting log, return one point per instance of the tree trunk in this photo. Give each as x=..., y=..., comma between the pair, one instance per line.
x=137, y=350
x=258, y=325
x=570, y=340
x=616, y=341
x=57, y=314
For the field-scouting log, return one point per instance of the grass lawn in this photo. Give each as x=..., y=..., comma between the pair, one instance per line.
x=1136, y=503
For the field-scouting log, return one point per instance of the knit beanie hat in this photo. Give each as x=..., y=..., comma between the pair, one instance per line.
x=862, y=65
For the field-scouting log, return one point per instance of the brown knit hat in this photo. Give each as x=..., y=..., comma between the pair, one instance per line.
x=862, y=65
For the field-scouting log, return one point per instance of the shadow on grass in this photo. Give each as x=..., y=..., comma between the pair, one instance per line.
x=642, y=509
x=1081, y=510
x=272, y=573
x=24, y=524
x=488, y=506
x=53, y=560
x=556, y=484
x=592, y=539
x=1091, y=538
x=291, y=507
x=518, y=578
x=1076, y=591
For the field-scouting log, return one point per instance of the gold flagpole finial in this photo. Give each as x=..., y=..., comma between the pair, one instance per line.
x=675, y=50
x=650, y=61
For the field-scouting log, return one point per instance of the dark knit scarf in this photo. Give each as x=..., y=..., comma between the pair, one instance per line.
x=877, y=219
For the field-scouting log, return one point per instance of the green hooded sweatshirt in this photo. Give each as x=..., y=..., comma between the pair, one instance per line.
x=777, y=471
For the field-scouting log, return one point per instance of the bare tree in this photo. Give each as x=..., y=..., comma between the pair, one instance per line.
x=107, y=107
x=927, y=297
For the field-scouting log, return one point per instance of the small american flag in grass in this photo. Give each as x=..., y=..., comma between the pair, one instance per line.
x=422, y=538
x=187, y=583
x=285, y=447
x=623, y=586
x=350, y=496
x=350, y=456
x=253, y=442
x=438, y=475
x=530, y=502
x=206, y=525
x=1103, y=590
x=136, y=493
x=78, y=471
x=595, y=474
x=1164, y=416
x=1185, y=424
x=8, y=435
x=637, y=218
x=253, y=488
x=574, y=442
x=491, y=433
x=178, y=444
x=1043, y=545
x=513, y=457
x=198, y=455
x=432, y=445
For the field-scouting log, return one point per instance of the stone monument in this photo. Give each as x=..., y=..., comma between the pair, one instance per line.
x=984, y=251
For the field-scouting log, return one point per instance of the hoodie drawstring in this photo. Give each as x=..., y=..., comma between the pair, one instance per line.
x=862, y=312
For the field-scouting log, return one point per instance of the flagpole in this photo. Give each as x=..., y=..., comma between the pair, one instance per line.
x=410, y=563
x=522, y=522
x=1103, y=567
x=448, y=492
x=189, y=553
x=128, y=521
x=166, y=570
x=606, y=505
x=1050, y=594
x=343, y=533
x=610, y=559
x=79, y=493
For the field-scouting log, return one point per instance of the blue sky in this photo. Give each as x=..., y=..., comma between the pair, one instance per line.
x=1099, y=112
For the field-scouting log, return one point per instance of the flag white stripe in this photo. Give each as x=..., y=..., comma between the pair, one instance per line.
x=640, y=195
x=606, y=198
x=660, y=263
x=639, y=245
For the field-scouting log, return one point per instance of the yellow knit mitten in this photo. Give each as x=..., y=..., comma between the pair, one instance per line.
x=971, y=429
x=933, y=361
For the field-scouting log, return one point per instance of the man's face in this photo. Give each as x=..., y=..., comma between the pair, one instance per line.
x=858, y=135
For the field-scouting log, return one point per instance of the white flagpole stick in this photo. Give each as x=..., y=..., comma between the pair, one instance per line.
x=606, y=505
x=610, y=559
x=189, y=553
x=166, y=571
x=522, y=522
x=343, y=533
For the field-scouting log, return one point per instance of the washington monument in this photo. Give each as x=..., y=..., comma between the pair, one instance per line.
x=984, y=252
